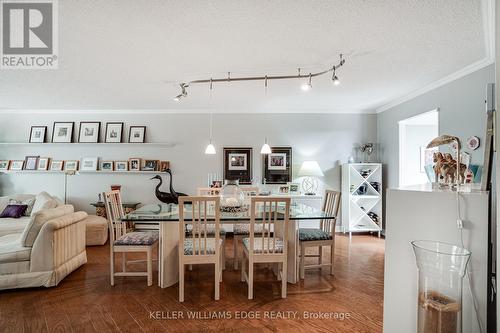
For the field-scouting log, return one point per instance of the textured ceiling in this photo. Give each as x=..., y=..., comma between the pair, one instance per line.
x=131, y=54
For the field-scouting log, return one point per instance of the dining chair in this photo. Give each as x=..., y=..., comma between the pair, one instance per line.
x=124, y=241
x=270, y=247
x=324, y=236
x=212, y=191
x=199, y=247
x=241, y=230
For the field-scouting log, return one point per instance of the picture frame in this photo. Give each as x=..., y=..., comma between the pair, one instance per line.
x=89, y=132
x=71, y=165
x=134, y=164
x=43, y=163
x=137, y=134
x=151, y=165
x=164, y=166
x=4, y=165
x=277, y=166
x=114, y=132
x=294, y=188
x=31, y=162
x=284, y=189
x=276, y=161
x=62, y=132
x=107, y=166
x=121, y=166
x=16, y=165
x=89, y=164
x=238, y=164
x=38, y=134
x=56, y=165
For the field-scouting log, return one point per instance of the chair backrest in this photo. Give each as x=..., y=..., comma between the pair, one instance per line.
x=271, y=215
x=208, y=191
x=250, y=191
x=331, y=206
x=114, y=212
x=205, y=213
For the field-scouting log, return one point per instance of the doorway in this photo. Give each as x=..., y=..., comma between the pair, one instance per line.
x=414, y=135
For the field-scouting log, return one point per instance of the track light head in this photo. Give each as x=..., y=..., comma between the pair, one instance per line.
x=183, y=92
x=307, y=86
x=336, y=80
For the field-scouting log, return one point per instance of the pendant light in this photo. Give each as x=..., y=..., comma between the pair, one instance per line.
x=265, y=148
x=210, y=150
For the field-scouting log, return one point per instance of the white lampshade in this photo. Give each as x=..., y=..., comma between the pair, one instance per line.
x=210, y=150
x=266, y=149
x=310, y=169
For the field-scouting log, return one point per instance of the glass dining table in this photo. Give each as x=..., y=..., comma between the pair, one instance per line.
x=166, y=216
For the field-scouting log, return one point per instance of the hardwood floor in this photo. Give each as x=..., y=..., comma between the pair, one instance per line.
x=85, y=301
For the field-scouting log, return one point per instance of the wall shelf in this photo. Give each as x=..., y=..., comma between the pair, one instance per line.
x=79, y=172
x=86, y=144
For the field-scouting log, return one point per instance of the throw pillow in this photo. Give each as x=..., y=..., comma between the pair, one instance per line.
x=43, y=201
x=14, y=211
x=27, y=202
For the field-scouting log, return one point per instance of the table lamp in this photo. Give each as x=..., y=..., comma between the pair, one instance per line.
x=310, y=170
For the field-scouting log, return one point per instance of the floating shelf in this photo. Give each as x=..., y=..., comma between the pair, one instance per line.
x=83, y=144
x=78, y=172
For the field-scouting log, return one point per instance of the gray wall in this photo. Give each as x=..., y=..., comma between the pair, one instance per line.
x=461, y=113
x=327, y=138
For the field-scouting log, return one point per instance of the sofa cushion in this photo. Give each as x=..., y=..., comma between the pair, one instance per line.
x=43, y=201
x=14, y=211
x=12, y=249
x=13, y=226
x=4, y=201
x=30, y=202
x=39, y=219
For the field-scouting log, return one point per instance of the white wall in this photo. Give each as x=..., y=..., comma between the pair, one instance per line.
x=327, y=138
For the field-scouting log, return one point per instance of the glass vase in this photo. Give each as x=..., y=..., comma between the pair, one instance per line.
x=441, y=268
x=231, y=195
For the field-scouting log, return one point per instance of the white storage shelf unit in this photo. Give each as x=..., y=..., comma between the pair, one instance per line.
x=362, y=197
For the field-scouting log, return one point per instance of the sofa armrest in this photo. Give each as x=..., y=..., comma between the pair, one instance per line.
x=59, y=240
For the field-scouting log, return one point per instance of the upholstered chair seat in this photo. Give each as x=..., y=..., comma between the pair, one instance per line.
x=138, y=238
x=244, y=229
x=311, y=234
x=267, y=244
x=199, y=248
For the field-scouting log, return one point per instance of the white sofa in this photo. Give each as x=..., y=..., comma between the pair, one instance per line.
x=43, y=248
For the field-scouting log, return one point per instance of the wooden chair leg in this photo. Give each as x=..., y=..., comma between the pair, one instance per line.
x=217, y=278
x=124, y=262
x=220, y=273
x=280, y=267
x=332, y=257
x=243, y=267
x=181, y=281
x=302, y=261
x=190, y=267
x=112, y=267
x=284, y=273
x=150, y=267
x=223, y=263
x=320, y=257
x=250, y=279
x=235, y=252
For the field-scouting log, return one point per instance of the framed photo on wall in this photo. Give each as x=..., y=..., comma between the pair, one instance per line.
x=277, y=166
x=114, y=132
x=238, y=164
x=31, y=162
x=137, y=134
x=63, y=132
x=89, y=131
x=38, y=134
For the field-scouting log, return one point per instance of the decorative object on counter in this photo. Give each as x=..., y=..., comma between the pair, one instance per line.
x=231, y=195
x=56, y=165
x=441, y=269
x=473, y=142
x=43, y=163
x=4, y=165
x=294, y=188
x=71, y=166
x=164, y=165
x=89, y=164
x=16, y=165
x=310, y=170
x=447, y=169
x=107, y=165
x=38, y=134
x=116, y=187
x=365, y=172
x=277, y=166
x=367, y=150
x=238, y=164
x=137, y=134
x=114, y=132
x=121, y=166
x=217, y=184
x=100, y=208
x=350, y=159
x=30, y=162
x=284, y=189
x=172, y=197
x=151, y=165
x=63, y=132
x=134, y=164
x=89, y=131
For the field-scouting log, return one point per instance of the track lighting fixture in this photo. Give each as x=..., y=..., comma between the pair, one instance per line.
x=210, y=150
x=266, y=78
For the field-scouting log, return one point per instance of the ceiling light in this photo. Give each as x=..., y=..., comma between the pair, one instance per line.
x=183, y=92
x=336, y=80
x=210, y=150
x=307, y=86
x=265, y=148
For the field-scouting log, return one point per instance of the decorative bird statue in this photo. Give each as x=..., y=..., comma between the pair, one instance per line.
x=172, y=197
